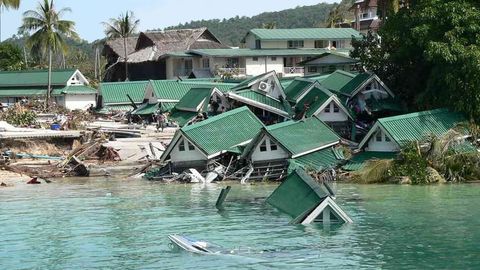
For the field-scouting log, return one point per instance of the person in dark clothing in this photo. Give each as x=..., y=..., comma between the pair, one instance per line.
x=34, y=181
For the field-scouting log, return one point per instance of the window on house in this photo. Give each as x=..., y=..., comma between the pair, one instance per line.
x=255, y=59
x=273, y=146
x=181, y=146
x=334, y=43
x=273, y=59
x=295, y=44
x=387, y=139
x=263, y=146
x=312, y=69
x=378, y=136
x=327, y=109
x=336, y=109
x=321, y=43
x=191, y=147
x=258, y=44
x=206, y=63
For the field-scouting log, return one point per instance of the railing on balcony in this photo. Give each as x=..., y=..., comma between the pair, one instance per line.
x=233, y=71
x=293, y=70
x=182, y=72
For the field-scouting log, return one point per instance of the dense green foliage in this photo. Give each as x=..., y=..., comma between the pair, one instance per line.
x=19, y=116
x=429, y=54
x=231, y=31
x=11, y=57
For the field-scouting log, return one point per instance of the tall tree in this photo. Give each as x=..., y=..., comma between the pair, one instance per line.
x=49, y=31
x=122, y=27
x=7, y=4
x=11, y=57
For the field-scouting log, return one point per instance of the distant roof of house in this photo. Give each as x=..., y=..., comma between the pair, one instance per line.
x=260, y=98
x=263, y=52
x=359, y=79
x=174, y=90
x=116, y=45
x=303, y=137
x=314, y=77
x=416, y=126
x=298, y=194
x=182, y=117
x=314, y=99
x=305, y=33
x=116, y=92
x=32, y=78
x=224, y=131
x=337, y=80
x=322, y=59
x=75, y=90
x=42, y=91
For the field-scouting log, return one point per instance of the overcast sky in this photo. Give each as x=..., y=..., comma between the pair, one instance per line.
x=88, y=14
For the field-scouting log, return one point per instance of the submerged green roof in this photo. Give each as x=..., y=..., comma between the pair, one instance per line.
x=298, y=194
x=337, y=80
x=221, y=132
x=114, y=93
x=34, y=77
x=300, y=137
x=320, y=160
x=146, y=109
x=305, y=33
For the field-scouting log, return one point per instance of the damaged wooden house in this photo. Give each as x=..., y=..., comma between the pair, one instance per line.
x=160, y=55
x=307, y=143
x=220, y=138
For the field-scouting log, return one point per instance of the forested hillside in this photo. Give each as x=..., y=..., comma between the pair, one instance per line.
x=231, y=31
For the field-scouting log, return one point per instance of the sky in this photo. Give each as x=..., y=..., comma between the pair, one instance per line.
x=153, y=14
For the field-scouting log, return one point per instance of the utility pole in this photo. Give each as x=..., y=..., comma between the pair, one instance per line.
x=25, y=57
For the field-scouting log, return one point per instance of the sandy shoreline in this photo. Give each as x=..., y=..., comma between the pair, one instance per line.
x=12, y=179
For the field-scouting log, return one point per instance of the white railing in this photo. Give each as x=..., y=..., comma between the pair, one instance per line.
x=236, y=71
x=294, y=70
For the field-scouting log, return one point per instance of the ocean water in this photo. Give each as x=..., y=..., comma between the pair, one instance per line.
x=124, y=224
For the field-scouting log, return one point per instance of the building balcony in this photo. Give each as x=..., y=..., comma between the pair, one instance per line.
x=234, y=71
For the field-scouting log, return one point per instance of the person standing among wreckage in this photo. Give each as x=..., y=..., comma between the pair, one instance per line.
x=161, y=120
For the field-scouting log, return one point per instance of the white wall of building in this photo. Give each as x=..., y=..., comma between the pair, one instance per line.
x=269, y=154
x=331, y=115
x=274, y=44
x=381, y=143
x=254, y=68
x=187, y=155
x=79, y=102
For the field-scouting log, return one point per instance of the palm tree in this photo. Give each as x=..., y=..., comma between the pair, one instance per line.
x=7, y=4
x=122, y=27
x=49, y=32
x=270, y=25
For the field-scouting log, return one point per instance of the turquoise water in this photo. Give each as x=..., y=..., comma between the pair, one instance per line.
x=113, y=224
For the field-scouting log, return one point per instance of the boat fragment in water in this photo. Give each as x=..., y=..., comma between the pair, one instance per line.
x=194, y=246
x=307, y=201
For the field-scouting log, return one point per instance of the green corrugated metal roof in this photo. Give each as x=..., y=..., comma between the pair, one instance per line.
x=168, y=106
x=34, y=77
x=22, y=92
x=182, y=117
x=115, y=108
x=320, y=160
x=261, y=52
x=296, y=88
x=315, y=99
x=75, y=90
x=358, y=161
x=302, y=136
x=146, y=109
x=297, y=194
x=221, y=132
x=416, y=126
x=356, y=82
x=305, y=33
x=261, y=98
x=389, y=104
x=117, y=92
x=337, y=80
x=175, y=90
x=194, y=98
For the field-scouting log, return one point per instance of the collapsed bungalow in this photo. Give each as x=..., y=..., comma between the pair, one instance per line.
x=264, y=95
x=69, y=88
x=308, y=143
x=386, y=138
x=121, y=96
x=223, y=136
x=307, y=201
